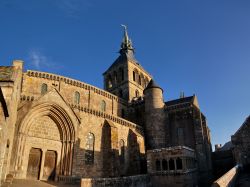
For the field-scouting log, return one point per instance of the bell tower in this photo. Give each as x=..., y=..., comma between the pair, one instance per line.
x=126, y=78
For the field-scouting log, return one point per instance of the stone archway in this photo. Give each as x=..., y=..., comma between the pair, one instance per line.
x=47, y=127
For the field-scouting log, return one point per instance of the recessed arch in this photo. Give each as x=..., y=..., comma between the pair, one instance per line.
x=65, y=123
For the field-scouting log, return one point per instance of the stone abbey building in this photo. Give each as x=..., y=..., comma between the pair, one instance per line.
x=57, y=128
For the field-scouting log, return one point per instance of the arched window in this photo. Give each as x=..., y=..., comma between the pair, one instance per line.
x=115, y=77
x=44, y=88
x=123, y=113
x=171, y=164
x=139, y=80
x=158, y=165
x=89, y=148
x=179, y=163
x=164, y=165
x=120, y=94
x=133, y=76
x=121, y=72
x=103, y=106
x=136, y=93
x=122, y=151
x=76, y=98
x=109, y=81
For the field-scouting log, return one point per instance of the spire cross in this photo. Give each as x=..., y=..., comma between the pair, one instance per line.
x=125, y=33
x=126, y=43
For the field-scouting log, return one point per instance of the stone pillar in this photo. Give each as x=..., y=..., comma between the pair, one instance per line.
x=184, y=163
x=42, y=164
x=71, y=157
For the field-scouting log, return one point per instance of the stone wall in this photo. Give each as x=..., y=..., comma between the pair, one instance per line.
x=132, y=181
x=53, y=121
x=228, y=179
x=174, y=180
x=11, y=87
x=241, y=143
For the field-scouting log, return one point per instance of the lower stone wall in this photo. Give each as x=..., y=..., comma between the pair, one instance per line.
x=228, y=179
x=175, y=180
x=131, y=181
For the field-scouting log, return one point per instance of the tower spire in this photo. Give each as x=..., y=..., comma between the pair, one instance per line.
x=126, y=42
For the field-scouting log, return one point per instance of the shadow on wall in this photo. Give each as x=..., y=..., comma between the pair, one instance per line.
x=114, y=160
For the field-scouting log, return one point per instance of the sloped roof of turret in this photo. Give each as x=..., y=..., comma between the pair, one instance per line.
x=152, y=84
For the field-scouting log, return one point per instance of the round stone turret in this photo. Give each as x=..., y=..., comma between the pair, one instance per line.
x=155, y=116
x=153, y=96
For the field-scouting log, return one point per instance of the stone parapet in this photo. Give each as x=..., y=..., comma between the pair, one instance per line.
x=73, y=82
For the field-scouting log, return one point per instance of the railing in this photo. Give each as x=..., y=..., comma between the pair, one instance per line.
x=228, y=179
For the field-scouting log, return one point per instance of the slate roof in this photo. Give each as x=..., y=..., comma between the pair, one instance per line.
x=6, y=73
x=180, y=101
x=152, y=84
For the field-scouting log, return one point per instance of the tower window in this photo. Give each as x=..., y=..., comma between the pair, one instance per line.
x=115, y=77
x=122, y=151
x=77, y=98
x=133, y=76
x=120, y=94
x=122, y=113
x=44, y=88
x=103, y=106
x=136, y=93
x=109, y=81
x=89, y=149
x=139, y=80
x=121, y=72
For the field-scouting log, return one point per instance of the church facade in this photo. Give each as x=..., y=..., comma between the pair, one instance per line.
x=58, y=128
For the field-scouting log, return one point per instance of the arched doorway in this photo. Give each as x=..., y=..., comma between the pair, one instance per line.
x=48, y=128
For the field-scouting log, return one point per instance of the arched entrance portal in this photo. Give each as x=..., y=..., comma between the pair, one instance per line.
x=46, y=139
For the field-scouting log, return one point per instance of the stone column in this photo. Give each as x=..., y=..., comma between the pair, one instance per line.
x=42, y=164
x=71, y=157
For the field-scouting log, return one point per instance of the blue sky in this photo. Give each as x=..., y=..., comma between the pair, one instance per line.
x=195, y=46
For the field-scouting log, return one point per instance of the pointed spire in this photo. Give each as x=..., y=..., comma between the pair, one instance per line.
x=126, y=42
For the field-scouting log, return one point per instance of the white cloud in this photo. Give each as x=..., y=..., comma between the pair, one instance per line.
x=39, y=60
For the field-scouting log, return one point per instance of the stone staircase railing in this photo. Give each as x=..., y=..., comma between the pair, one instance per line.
x=228, y=179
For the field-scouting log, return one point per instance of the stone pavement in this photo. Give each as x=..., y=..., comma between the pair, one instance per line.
x=36, y=183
